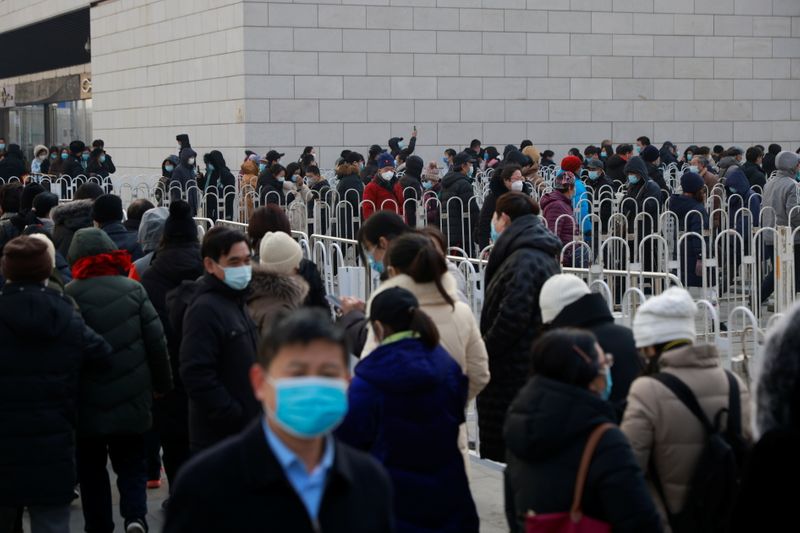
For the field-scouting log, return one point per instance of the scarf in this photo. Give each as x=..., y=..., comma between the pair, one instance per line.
x=116, y=263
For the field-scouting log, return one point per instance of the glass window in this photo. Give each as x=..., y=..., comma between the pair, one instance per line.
x=26, y=127
x=70, y=121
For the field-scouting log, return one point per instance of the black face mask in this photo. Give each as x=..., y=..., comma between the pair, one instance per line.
x=651, y=366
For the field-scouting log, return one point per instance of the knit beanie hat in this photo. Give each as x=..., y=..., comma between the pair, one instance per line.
x=89, y=191
x=385, y=160
x=650, y=153
x=786, y=161
x=414, y=166
x=51, y=249
x=571, y=164
x=665, y=318
x=180, y=225
x=44, y=202
x=107, y=208
x=26, y=259
x=691, y=182
x=30, y=192
x=279, y=253
x=558, y=292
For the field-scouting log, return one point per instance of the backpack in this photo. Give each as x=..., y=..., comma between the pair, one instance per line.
x=716, y=478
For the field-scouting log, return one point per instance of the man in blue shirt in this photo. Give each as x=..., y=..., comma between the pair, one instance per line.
x=285, y=472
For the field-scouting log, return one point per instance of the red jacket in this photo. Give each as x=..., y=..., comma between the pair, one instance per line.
x=378, y=198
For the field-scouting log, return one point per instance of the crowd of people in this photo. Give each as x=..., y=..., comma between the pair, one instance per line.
x=223, y=360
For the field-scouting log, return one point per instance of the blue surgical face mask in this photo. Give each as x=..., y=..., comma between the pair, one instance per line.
x=689, y=156
x=54, y=156
x=102, y=158
x=169, y=168
x=237, y=278
x=85, y=157
x=377, y=266
x=594, y=174
x=493, y=234
x=606, y=394
x=64, y=156
x=694, y=169
x=445, y=161
x=471, y=171
x=603, y=154
x=281, y=179
x=638, y=149
x=797, y=175
x=262, y=167
x=485, y=156
x=401, y=145
x=210, y=167
x=2, y=146
x=732, y=189
x=427, y=185
x=633, y=179
x=309, y=406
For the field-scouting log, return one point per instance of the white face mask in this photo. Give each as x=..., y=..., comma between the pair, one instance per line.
x=190, y=161
x=42, y=157
x=517, y=186
x=388, y=175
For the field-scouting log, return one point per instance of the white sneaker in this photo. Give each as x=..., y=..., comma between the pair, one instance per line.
x=137, y=526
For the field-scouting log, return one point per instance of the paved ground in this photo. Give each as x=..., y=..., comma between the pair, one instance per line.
x=487, y=489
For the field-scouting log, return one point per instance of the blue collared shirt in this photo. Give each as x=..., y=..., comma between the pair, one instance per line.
x=309, y=486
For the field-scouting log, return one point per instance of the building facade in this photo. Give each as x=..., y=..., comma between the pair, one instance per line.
x=340, y=74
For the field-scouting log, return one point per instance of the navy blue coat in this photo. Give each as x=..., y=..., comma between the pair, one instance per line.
x=406, y=404
x=124, y=239
x=690, y=249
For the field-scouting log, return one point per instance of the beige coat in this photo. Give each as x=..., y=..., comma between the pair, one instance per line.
x=458, y=331
x=656, y=420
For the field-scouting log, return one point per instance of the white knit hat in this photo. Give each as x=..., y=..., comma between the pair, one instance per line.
x=558, y=292
x=279, y=253
x=667, y=317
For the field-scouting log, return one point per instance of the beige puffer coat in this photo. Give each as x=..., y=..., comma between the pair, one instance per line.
x=458, y=331
x=657, y=421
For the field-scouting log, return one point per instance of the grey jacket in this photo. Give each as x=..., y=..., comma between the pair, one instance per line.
x=780, y=196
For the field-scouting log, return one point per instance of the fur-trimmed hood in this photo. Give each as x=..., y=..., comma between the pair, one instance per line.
x=267, y=285
x=74, y=215
x=348, y=169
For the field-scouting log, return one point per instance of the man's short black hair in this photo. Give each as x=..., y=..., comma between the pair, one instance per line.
x=10, y=197
x=312, y=169
x=98, y=143
x=644, y=141
x=218, y=241
x=718, y=148
x=450, y=152
x=474, y=143
x=753, y=153
x=302, y=327
x=138, y=208
x=623, y=149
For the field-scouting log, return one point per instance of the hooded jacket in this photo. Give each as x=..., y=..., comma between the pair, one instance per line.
x=224, y=186
x=406, y=381
x=394, y=146
x=381, y=195
x=691, y=248
x=350, y=189
x=657, y=423
x=46, y=348
x=780, y=195
x=270, y=190
x=666, y=155
x=523, y=258
x=647, y=196
x=411, y=185
x=67, y=219
x=591, y=312
x=183, y=178
x=119, y=399
x=483, y=231
x=755, y=175
x=272, y=295
x=546, y=431
x=741, y=196
x=459, y=204
x=726, y=164
x=560, y=217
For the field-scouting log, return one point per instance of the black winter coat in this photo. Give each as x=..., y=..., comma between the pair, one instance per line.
x=657, y=176
x=755, y=175
x=691, y=249
x=46, y=344
x=599, y=191
x=183, y=179
x=270, y=190
x=591, y=313
x=169, y=268
x=461, y=214
x=349, y=189
x=546, y=431
x=317, y=297
x=321, y=192
x=12, y=166
x=67, y=219
x=412, y=197
x=240, y=486
x=523, y=258
x=484, y=228
x=218, y=347
x=124, y=239
x=224, y=183
x=73, y=167
x=647, y=198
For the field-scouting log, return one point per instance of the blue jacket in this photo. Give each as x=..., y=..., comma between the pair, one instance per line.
x=581, y=194
x=741, y=196
x=406, y=404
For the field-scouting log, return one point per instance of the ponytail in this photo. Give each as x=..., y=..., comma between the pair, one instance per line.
x=423, y=326
x=415, y=255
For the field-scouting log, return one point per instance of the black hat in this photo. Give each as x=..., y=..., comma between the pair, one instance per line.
x=248, y=153
x=274, y=155
x=30, y=192
x=387, y=306
x=691, y=182
x=414, y=166
x=462, y=159
x=375, y=150
x=107, y=208
x=76, y=147
x=180, y=225
x=88, y=191
x=44, y=202
x=650, y=153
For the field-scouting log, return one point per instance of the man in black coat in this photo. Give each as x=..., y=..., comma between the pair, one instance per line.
x=349, y=189
x=107, y=215
x=219, y=342
x=411, y=182
x=259, y=480
x=458, y=202
x=46, y=344
x=565, y=301
x=752, y=168
x=183, y=183
x=219, y=176
x=13, y=163
x=72, y=166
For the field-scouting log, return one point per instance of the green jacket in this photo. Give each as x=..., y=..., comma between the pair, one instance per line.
x=118, y=399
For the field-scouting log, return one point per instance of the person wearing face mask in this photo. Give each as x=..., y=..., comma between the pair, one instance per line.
x=220, y=183
x=95, y=166
x=396, y=144
x=701, y=165
x=430, y=495
x=507, y=180
x=2, y=146
x=320, y=194
x=645, y=197
x=51, y=158
x=411, y=184
x=39, y=157
x=384, y=192
x=350, y=192
x=667, y=438
x=458, y=202
x=183, y=182
x=167, y=167
x=690, y=209
x=600, y=190
x=550, y=424
x=219, y=341
x=559, y=214
x=286, y=470
x=524, y=256
x=270, y=185
x=116, y=402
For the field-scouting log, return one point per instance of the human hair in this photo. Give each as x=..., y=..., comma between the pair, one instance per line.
x=703, y=150
x=218, y=241
x=301, y=327
x=753, y=153
x=475, y=143
x=733, y=151
x=508, y=171
x=515, y=205
x=567, y=355
x=643, y=140
x=276, y=169
x=436, y=235
x=88, y=191
x=307, y=150
x=774, y=149
x=265, y=219
x=291, y=168
x=718, y=148
x=10, y=197
x=591, y=150
x=548, y=154
x=312, y=169
x=306, y=161
x=450, y=152
x=138, y=207
x=415, y=255
x=577, y=153
x=623, y=149
x=98, y=143
x=524, y=144
x=386, y=224
x=702, y=160
x=415, y=320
